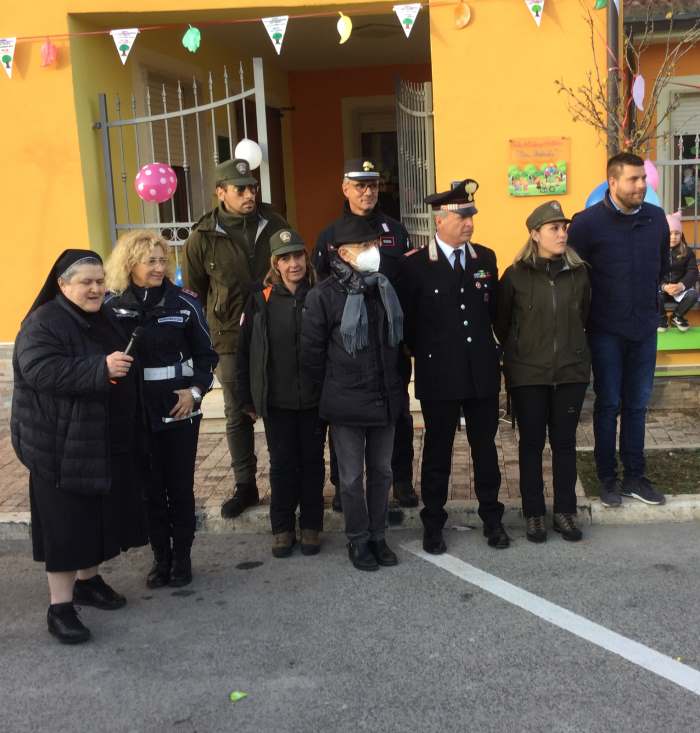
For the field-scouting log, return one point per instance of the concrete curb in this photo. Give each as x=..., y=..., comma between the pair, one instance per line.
x=463, y=516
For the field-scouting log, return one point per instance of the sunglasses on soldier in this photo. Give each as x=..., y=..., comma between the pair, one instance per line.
x=252, y=187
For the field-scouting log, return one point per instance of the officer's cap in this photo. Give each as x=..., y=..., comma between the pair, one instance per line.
x=285, y=241
x=545, y=213
x=459, y=199
x=361, y=169
x=353, y=230
x=235, y=172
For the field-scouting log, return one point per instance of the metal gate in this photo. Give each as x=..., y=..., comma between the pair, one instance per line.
x=416, y=152
x=189, y=138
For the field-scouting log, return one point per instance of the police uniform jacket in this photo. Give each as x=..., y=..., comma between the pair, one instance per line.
x=175, y=338
x=393, y=242
x=448, y=324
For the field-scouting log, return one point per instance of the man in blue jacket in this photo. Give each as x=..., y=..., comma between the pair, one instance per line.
x=625, y=241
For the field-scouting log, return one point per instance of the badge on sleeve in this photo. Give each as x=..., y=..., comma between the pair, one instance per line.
x=387, y=240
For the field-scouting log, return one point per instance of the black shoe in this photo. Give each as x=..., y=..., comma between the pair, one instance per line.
x=536, y=529
x=641, y=488
x=95, y=592
x=382, y=554
x=405, y=494
x=159, y=574
x=181, y=572
x=246, y=495
x=433, y=542
x=680, y=323
x=64, y=624
x=565, y=524
x=337, y=504
x=497, y=537
x=610, y=493
x=361, y=557
x=662, y=326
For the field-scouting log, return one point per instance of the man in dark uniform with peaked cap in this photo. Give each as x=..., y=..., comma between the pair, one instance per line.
x=448, y=294
x=361, y=179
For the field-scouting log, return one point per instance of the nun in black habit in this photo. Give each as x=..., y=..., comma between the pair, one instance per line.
x=76, y=425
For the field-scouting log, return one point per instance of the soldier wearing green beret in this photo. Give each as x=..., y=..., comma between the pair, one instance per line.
x=227, y=251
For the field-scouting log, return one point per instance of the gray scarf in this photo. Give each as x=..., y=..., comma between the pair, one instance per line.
x=354, y=324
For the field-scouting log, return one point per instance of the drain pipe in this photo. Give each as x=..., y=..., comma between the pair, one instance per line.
x=612, y=57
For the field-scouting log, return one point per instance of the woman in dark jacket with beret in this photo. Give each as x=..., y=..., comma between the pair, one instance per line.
x=76, y=426
x=352, y=328
x=271, y=384
x=543, y=305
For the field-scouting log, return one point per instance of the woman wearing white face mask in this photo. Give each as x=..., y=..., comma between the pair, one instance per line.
x=351, y=331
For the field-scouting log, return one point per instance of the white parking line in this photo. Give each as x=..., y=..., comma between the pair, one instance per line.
x=632, y=651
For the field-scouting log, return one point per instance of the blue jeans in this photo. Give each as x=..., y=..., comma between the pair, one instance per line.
x=623, y=377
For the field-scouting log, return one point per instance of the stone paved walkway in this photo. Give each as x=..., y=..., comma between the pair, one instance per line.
x=214, y=480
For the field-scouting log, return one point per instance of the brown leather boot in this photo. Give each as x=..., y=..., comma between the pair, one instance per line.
x=310, y=542
x=283, y=544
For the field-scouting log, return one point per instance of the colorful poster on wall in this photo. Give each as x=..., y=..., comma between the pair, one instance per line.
x=538, y=166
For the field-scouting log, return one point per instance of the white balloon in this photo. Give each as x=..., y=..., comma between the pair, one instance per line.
x=249, y=150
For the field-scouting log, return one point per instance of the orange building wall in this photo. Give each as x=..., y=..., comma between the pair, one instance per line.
x=318, y=134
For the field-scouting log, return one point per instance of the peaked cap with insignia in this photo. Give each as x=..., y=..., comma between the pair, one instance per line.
x=545, y=213
x=236, y=172
x=459, y=199
x=360, y=169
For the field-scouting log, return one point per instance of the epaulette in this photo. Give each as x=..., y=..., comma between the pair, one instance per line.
x=190, y=292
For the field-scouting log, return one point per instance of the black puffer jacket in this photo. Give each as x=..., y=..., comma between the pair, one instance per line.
x=60, y=420
x=269, y=369
x=542, y=313
x=683, y=267
x=364, y=390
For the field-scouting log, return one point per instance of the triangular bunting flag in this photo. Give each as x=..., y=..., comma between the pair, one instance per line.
x=407, y=15
x=7, y=54
x=276, y=27
x=536, y=7
x=124, y=39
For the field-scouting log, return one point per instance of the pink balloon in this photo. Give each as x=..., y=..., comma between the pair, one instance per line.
x=652, y=174
x=156, y=182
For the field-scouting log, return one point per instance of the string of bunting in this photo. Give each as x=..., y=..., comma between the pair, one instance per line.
x=276, y=27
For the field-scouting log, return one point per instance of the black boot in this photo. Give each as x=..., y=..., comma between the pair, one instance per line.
x=245, y=495
x=64, y=624
x=361, y=557
x=181, y=572
x=405, y=494
x=95, y=592
x=384, y=556
x=159, y=574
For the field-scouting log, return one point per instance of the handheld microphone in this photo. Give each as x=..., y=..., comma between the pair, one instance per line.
x=135, y=336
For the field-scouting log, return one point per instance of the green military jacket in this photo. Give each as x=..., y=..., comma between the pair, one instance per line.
x=541, y=321
x=221, y=271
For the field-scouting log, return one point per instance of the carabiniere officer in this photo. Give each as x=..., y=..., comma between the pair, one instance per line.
x=448, y=294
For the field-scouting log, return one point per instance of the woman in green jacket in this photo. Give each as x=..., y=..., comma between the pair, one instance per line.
x=272, y=385
x=543, y=306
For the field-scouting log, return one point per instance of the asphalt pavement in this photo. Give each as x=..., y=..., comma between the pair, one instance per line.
x=319, y=646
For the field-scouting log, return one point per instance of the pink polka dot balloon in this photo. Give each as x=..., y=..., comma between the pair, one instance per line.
x=155, y=182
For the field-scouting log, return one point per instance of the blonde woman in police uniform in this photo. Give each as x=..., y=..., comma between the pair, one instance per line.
x=179, y=360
